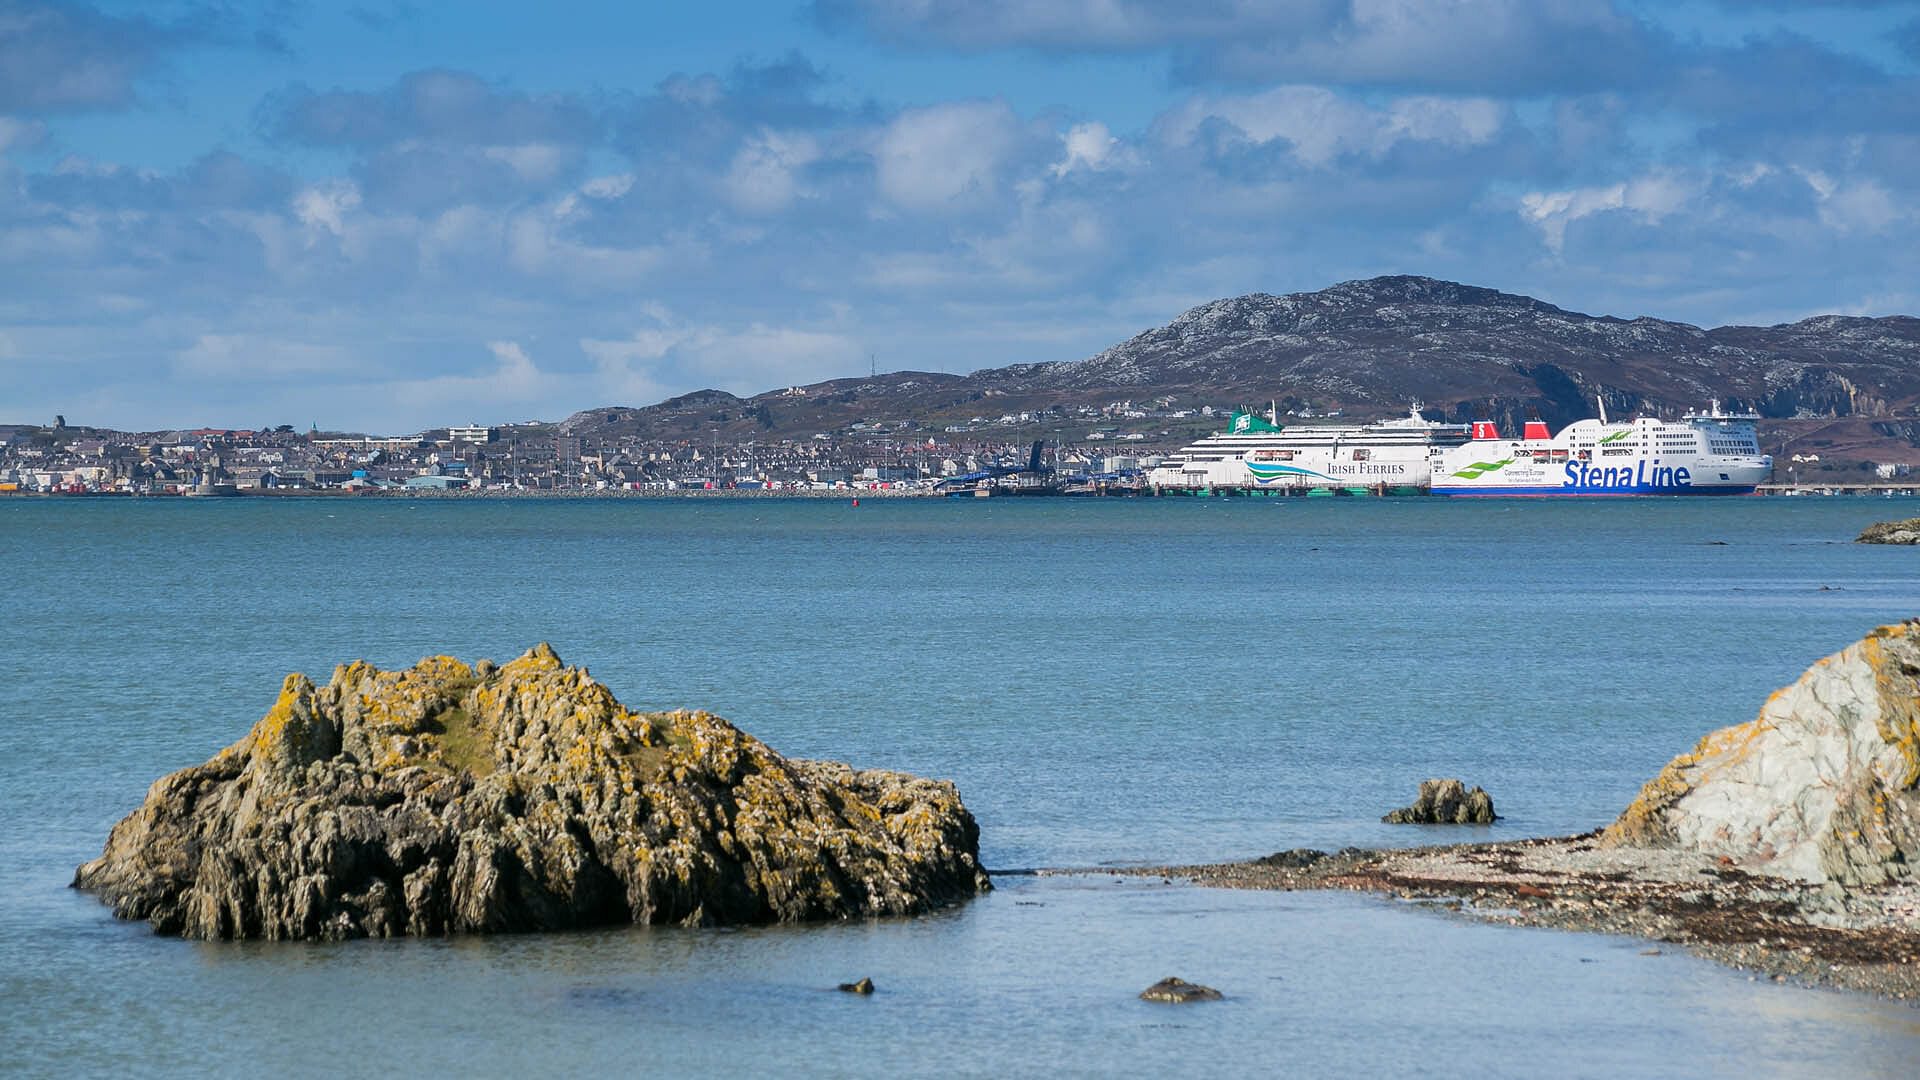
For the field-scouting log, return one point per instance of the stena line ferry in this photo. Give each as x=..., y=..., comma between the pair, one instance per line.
x=1710, y=453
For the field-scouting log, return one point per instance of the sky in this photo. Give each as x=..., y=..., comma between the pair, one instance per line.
x=388, y=215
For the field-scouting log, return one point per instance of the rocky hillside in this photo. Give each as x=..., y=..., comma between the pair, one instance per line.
x=1382, y=342
x=453, y=799
x=1370, y=347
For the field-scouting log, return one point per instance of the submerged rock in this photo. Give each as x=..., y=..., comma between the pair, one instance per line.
x=1891, y=532
x=1821, y=786
x=448, y=799
x=1179, y=992
x=1445, y=802
x=1293, y=858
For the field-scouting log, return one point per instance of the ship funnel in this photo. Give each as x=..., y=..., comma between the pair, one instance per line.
x=1536, y=429
x=1485, y=429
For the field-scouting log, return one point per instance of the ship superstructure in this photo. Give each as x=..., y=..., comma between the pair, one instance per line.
x=1256, y=453
x=1710, y=453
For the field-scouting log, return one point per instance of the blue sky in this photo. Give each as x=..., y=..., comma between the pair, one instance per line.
x=387, y=215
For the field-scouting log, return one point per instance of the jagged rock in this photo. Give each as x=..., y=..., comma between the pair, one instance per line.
x=864, y=986
x=1179, y=992
x=1891, y=532
x=1445, y=802
x=448, y=799
x=1820, y=786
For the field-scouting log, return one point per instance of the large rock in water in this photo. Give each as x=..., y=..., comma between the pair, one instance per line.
x=1445, y=802
x=1821, y=786
x=1891, y=532
x=448, y=799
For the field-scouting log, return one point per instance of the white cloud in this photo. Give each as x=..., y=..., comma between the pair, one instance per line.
x=255, y=356
x=1092, y=147
x=600, y=189
x=1322, y=125
x=743, y=360
x=534, y=163
x=1457, y=122
x=1074, y=24
x=513, y=386
x=934, y=158
x=1523, y=45
x=324, y=207
x=1649, y=198
x=17, y=134
x=541, y=243
x=763, y=177
x=608, y=187
x=1862, y=206
x=1856, y=206
x=1517, y=45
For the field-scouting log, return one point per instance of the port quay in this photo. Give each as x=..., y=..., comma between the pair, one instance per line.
x=1709, y=452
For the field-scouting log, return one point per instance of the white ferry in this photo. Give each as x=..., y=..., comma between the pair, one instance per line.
x=1710, y=453
x=1255, y=452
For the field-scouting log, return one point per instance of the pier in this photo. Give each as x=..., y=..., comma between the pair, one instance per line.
x=1886, y=488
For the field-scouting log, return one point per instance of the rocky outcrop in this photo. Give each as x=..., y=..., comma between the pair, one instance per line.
x=453, y=799
x=1375, y=344
x=1821, y=786
x=1891, y=532
x=1445, y=802
x=1174, y=991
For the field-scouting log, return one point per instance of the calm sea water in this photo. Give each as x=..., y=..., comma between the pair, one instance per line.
x=1110, y=682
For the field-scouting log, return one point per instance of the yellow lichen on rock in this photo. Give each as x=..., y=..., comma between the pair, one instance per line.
x=445, y=798
x=1895, y=681
x=1820, y=786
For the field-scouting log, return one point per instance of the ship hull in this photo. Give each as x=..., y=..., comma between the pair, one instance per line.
x=1704, y=454
x=1395, y=454
x=1580, y=493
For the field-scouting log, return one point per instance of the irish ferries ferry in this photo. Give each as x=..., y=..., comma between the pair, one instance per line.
x=1710, y=453
x=1256, y=453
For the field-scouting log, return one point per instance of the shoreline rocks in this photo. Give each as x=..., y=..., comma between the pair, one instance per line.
x=446, y=799
x=1866, y=939
x=1445, y=802
x=1891, y=532
x=1821, y=786
x=1786, y=844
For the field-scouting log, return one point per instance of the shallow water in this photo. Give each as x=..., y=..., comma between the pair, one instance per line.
x=1109, y=681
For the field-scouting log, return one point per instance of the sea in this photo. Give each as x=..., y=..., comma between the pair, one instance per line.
x=1111, y=682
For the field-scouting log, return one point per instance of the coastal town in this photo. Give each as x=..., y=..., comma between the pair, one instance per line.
x=1120, y=447
x=547, y=457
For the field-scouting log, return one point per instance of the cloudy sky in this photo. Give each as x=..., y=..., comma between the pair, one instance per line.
x=386, y=215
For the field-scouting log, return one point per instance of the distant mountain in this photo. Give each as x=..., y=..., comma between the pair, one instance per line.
x=1370, y=347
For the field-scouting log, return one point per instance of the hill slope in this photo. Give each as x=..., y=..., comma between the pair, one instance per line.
x=1371, y=347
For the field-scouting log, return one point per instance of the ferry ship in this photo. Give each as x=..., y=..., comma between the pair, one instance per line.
x=1256, y=453
x=1710, y=453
